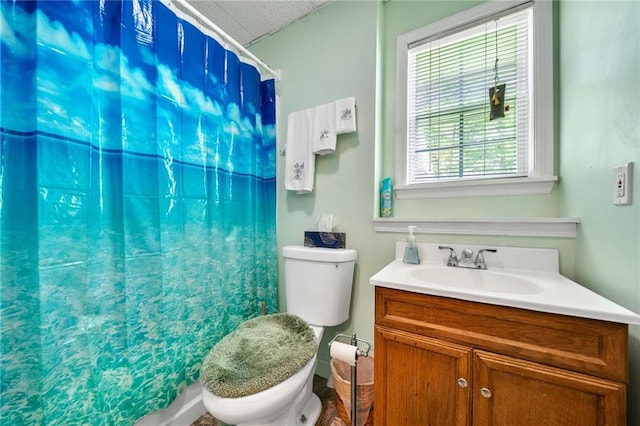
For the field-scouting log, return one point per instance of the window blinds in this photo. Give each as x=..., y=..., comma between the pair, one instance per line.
x=450, y=136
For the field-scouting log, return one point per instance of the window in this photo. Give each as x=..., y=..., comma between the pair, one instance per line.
x=449, y=143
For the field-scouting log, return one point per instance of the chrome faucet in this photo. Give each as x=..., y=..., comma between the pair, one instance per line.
x=465, y=257
x=466, y=254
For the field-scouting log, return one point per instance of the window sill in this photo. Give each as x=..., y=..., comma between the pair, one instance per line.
x=478, y=188
x=557, y=227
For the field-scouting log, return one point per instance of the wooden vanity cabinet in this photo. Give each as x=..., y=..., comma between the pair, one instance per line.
x=442, y=361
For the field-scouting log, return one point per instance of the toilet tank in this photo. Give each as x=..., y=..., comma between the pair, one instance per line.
x=318, y=283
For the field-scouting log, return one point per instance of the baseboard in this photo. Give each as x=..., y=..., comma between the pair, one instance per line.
x=183, y=411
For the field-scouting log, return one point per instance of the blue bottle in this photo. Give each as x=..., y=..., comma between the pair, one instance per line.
x=386, y=198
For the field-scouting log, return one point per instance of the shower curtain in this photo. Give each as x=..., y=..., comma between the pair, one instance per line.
x=137, y=207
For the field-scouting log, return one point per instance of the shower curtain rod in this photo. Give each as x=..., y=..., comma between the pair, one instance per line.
x=220, y=32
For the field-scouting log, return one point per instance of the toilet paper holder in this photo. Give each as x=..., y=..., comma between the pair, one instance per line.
x=352, y=359
x=353, y=340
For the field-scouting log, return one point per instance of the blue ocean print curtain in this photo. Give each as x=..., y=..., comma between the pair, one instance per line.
x=137, y=207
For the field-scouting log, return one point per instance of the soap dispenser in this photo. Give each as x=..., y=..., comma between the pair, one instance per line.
x=411, y=250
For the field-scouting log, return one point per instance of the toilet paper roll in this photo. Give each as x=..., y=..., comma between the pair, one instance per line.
x=344, y=352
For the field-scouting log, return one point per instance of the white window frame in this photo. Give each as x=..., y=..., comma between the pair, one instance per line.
x=541, y=177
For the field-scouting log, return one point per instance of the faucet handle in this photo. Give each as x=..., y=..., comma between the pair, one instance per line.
x=479, y=260
x=453, y=257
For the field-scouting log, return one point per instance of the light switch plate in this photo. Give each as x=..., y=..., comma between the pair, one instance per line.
x=622, y=178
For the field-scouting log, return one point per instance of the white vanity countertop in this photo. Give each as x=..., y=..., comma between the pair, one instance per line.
x=557, y=294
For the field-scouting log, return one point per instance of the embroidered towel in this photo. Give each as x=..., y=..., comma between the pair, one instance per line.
x=324, y=129
x=300, y=159
x=345, y=115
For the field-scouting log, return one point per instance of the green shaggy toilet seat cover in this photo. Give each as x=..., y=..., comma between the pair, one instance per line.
x=259, y=354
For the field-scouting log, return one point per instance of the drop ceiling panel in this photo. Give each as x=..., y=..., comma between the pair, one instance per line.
x=249, y=20
x=216, y=13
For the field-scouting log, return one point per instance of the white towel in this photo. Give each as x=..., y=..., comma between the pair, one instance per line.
x=300, y=159
x=345, y=115
x=324, y=129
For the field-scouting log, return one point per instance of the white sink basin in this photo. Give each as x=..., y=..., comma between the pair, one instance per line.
x=475, y=279
x=517, y=277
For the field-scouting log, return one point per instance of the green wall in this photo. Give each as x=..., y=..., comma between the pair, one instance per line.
x=599, y=48
x=326, y=56
x=349, y=49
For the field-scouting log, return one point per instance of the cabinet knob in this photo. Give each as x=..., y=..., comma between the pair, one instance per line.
x=462, y=383
x=485, y=392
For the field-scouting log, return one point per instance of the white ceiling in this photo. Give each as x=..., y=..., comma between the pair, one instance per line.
x=247, y=21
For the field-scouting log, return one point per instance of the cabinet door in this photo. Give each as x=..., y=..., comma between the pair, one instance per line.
x=420, y=381
x=512, y=392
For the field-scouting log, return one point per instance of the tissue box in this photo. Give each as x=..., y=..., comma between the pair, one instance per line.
x=335, y=240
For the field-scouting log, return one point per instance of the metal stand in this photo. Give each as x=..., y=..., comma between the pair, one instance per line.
x=354, y=370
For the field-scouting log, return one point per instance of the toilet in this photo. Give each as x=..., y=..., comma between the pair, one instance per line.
x=318, y=284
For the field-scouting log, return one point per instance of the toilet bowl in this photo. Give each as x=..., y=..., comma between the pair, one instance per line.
x=290, y=402
x=318, y=284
